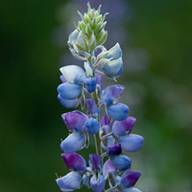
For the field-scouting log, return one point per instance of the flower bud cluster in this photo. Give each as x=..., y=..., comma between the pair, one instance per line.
x=98, y=117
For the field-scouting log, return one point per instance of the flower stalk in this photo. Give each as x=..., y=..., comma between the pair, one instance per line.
x=102, y=119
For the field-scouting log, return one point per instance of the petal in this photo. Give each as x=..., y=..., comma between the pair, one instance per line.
x=105, y=120
x=91, y=106
x=115, y=52
x=113, y=68
x=121, y=162
x=131, y=142
x=120, y=128
x=69, y=90
x=73, y=37
x=92, y=126
x=90, y=84
x=86, y=180
x=108, y=168
x=114, y=149
x=74, y=161
x=118, y=111
x=69, y=182
x=111, y=93
x=68, y=103
x=74, y=142
x=131, y=189
x=97, y=184
x=95, y=161
x=129, y=178
x=72, y=73
x=99, y=79
x=74, y=120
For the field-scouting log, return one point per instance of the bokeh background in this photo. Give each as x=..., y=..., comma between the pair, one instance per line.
x=157, y=44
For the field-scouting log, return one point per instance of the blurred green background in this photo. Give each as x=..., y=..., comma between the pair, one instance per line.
x=157, y=44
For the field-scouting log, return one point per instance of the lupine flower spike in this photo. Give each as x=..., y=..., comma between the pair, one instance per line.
x=97, y=117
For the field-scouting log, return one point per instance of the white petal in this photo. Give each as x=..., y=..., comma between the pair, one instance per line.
x=72, y=73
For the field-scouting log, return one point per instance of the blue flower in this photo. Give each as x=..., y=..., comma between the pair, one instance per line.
x=118, y=111
x=111, y=61
x=69, y=182
x=95, y=161
x=74, y=142
x=92, y=126
x=91, y=107
x=69, y=90
x=121, y=162
x=97, y=184
x=90, y=84
x=68, y=103
x=131, y=142
x=74, y=161
x=108, y=168
x=114, y=149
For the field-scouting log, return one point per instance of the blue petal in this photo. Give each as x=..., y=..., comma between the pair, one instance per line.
x=111, y=93
x=92, y=126
x=115, y=52
x=72, y=73
x=68, y=103
x=121, y=162
x=74, y=161
x=75, y=120
x=90, y=84
x=74, y=142
x=131, y=189
x=97, y=184
x=131, y=142
x=69, y=182
x=118, y=111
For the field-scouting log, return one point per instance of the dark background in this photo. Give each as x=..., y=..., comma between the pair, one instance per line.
x=157, y=42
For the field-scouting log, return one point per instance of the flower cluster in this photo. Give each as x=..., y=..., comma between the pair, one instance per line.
x=98, y=117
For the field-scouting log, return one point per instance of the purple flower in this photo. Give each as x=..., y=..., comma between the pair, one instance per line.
x=92, y=126
x=131, y=142
x=74, y=142
x=91, y=107
x=95, y=161
x=114, y=149
x=108, y=168
x=111, y=93
x=129, y=178
x=120, y=128
x=118, y=111
x=105, y=120
x=97, y=184
x=74, y=120
x=69, y=182
x=121, y=162
x=74, y=161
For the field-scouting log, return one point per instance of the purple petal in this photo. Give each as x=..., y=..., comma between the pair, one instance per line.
x=97, y=184
x=99, y=80
x=74, y=120
x=118, y=111
x=120, y=128
x=114, y=149
x=74, y=142
x=129, y=178
x=74, y=161
x=111, y=93
x=91, y=106
x=131, y=142
x=105, y=120
x=69, y=182
x=121, y=162
x=108, y=168
x=95, y=161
